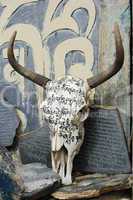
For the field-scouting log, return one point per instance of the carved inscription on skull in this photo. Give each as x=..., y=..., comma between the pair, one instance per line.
x=65, y=108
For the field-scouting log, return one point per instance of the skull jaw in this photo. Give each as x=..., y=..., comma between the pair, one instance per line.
x=62, y=159
x=62, y=165
x=67, y=180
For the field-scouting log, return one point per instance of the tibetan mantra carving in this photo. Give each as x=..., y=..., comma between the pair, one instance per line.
x=65, y=109
x=66, y=106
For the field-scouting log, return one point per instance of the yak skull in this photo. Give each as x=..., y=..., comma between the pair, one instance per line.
x=66, y=106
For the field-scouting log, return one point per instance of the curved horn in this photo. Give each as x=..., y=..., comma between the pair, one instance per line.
x=34, y=77
x=107, y=74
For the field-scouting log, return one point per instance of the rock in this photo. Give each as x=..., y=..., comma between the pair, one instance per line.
x=39, y=181
x=11, y=185
x=34, y=146
x=33, y=180
x=93, y=186
x=104, y=149
x=26, y=181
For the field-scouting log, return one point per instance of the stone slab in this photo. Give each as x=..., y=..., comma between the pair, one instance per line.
x=39, y=181
x=104, y=149
x=25, y=181
x=10, y=182
x=35, y=146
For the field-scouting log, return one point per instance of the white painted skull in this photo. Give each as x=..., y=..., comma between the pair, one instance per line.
x=66, y=107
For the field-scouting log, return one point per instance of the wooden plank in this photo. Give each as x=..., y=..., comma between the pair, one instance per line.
x=117, y=195
x=94, y=187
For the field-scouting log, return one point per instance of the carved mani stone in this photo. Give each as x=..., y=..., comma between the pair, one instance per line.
x=34, y=146
x=104, y=149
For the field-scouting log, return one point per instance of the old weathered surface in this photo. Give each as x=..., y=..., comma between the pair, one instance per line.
x=92, y=186
x=104, y=149
x=10, y=182
x=39, y=181
x=115, y=92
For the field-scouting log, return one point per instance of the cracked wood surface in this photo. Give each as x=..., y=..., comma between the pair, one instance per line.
x=93, y=186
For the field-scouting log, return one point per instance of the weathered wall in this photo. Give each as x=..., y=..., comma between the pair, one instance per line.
x=116, y=90
x=58, y=36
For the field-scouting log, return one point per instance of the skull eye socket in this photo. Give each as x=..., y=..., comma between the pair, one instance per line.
x=80, y=116
x=76, y=120
x=83, y=110
x=83, y=113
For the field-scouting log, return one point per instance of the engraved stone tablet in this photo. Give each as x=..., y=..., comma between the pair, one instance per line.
x=8, y=124
x=104, y=149
x=35, y=146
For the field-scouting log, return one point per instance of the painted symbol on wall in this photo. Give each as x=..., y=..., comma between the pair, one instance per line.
x=61, y=46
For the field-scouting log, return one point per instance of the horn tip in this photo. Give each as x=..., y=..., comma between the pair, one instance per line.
x=14, y=34
x=13, y=38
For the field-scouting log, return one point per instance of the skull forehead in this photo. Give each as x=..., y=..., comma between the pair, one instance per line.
x=64, y=98
x=68, y=84
x=66, y=93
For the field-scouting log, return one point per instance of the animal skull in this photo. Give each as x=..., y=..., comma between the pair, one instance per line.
x=66, y=106
x=63, y=110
